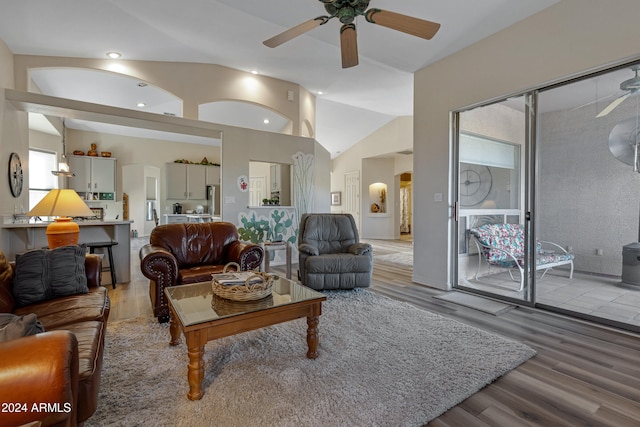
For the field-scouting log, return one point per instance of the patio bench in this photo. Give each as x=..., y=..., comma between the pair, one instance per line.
x=502, y=245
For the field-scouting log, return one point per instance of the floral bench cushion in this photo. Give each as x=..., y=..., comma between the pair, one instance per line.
x=498, y=239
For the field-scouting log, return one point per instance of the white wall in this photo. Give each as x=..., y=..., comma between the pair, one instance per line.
x=240, y=146
x=13, y=138
x=193, y=83
x=395, y=136
x=588, y=199
x=565, y=39
x=187, y=81
x=378, y=225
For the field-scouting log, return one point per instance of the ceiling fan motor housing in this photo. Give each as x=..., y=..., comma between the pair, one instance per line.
x=346, y=10
x=632, y=84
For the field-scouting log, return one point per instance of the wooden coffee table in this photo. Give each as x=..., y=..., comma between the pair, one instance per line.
x=203, y=316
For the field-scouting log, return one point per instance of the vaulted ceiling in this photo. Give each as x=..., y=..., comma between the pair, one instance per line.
x=230, y=33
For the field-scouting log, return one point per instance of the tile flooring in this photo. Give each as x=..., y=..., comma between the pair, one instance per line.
x=603, y=297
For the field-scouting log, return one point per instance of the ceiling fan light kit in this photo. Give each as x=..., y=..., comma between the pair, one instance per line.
x=346, y=11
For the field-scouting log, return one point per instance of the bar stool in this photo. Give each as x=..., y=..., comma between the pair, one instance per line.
x=108, y=245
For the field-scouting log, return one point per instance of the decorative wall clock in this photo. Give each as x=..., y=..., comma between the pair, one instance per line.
x=475, y=184
x=15, y=174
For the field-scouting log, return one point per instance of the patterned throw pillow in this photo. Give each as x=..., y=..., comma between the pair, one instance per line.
x=43, y=274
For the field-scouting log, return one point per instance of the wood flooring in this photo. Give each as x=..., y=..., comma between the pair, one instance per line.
x=583, y=375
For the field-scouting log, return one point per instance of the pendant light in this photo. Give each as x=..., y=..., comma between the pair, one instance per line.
x=63, y=164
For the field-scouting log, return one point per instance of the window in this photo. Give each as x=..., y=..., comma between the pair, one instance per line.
x=41, y=180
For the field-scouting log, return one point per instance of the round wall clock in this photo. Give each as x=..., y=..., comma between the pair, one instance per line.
x=15, y=174
x=475, y=184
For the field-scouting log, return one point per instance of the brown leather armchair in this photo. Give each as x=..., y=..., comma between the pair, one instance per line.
x=30, y=379
x=179, y=254
x=63, y=365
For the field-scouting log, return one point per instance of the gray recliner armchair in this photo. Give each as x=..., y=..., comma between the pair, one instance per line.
x=330, y=253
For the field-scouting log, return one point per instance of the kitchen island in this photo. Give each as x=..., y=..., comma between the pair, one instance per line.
x=182, y=218
x=18, y=238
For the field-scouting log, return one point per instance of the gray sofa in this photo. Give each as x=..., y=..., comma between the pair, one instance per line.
x=331, y=255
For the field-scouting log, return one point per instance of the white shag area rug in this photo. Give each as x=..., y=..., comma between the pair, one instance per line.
x=381, y=363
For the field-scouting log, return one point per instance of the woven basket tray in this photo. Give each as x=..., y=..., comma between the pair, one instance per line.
x=247, y=291
x=225, y=307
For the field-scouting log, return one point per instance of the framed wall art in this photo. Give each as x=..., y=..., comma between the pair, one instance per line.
x=336, y=198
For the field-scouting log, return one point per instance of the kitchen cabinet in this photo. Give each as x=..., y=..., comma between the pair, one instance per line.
x=93, y=174
x=280, y=178
x=185, y=181
x=212, y=175
x=182, y=218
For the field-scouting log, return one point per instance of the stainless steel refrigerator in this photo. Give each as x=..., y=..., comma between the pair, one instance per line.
x=213, y=207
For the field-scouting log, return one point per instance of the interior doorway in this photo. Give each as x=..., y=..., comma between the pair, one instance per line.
x=352, y=195
x=257, y=190
x=406, y=206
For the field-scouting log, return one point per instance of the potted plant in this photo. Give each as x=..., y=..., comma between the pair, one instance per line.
x=265, y=202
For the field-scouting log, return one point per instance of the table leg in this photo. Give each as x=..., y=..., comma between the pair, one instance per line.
x=288, y=256
x=267, y=261
x=312, y=336
x=174, y=329
x=196, y=372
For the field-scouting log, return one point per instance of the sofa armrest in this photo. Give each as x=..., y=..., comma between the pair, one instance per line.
x=308, y=249
x=93, y=268
x=360, y=248
x=248, y=255
x=27, y=378
x=158, y=264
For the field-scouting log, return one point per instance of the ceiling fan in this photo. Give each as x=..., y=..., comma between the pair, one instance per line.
x=346, y=11
x=629, y=87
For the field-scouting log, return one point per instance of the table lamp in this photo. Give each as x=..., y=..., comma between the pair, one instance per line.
x=63, y=203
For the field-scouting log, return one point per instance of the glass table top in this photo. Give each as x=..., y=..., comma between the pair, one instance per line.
x=196, y=303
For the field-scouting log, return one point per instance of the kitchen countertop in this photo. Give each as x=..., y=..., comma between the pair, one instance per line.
x=80, y=223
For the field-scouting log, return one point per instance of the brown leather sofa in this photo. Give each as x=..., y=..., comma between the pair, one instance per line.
x=61, y=366
x=179, y=254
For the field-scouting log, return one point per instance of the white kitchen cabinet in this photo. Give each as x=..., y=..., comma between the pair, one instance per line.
x=212, y=175
x=185, y=181
x=280, y=178
x=93, y=174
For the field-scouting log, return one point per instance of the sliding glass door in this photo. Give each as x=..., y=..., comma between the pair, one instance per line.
x=493, y=226
x=546, y=196
x=588, y=195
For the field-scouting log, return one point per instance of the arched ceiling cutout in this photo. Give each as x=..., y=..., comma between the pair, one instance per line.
x=113, y=90
x=106, y=88
x=307, y=129
x=245, y=115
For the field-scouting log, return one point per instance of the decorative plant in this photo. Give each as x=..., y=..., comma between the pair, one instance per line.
x=280, y=226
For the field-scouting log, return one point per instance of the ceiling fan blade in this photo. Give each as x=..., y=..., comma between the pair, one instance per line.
x=296, y=31
x=595, y=101
x=349, y=45
x=407, y=24
x=613, y=105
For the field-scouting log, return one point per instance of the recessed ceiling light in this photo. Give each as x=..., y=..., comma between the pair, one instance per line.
x=142, y=84
x=265, y=121
x=141, y=104
x=254, y=71
x=114, y=55
x=320, y=92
